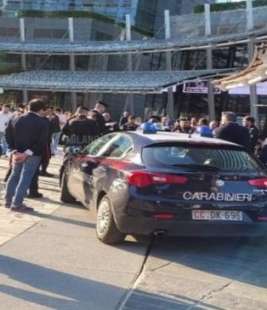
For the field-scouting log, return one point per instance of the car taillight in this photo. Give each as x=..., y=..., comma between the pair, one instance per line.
x=144, y=179
x=262, y=218
x=260, y=183
x=163, y=216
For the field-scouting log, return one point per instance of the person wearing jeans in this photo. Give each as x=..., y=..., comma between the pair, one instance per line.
x=27, y=141
x=20, y=180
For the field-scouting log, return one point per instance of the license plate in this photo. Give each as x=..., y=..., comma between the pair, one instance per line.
x=217, y=215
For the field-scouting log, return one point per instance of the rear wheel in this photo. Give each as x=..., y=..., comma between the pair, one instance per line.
x=65, y=195
x=106, y=229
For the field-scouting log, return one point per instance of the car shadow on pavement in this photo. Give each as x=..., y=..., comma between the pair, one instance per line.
x=61, y=219
x=239, y=259
x=47, y=287
x=48, y=200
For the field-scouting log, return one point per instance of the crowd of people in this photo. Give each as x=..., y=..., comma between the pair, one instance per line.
x=31, y=134
x=29, y=137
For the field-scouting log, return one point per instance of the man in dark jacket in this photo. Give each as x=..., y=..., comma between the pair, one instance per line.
x=9, y=136
x=232, y=132
x=100, y=109
x=184, y=126
x=254, y=133
x=46, y=156
x=29, y=140
x=54, y=129
x=80, y=130
x=124, y=119
x=131, y=124
x=263, y=155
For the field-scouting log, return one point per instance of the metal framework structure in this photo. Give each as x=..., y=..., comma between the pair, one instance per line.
x=131, y=82
x=65, y=47
x=136, y=82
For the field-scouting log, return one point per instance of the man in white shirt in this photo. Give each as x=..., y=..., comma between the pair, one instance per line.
x=5, y=117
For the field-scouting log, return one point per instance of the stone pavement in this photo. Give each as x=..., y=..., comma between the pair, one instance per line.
x=53, y=260
x=12, y=224
x=215, y=274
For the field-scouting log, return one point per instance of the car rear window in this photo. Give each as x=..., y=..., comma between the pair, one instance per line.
x=227, y=160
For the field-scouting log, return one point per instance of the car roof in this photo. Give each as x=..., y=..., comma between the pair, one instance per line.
x=163, y=136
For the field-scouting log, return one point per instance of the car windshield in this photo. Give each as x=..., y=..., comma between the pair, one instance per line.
x=199, y=158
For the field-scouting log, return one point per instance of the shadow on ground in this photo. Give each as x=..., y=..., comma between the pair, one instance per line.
x=60, y=290
x=240, y=259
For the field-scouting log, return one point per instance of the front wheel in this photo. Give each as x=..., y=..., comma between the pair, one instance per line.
x=106, y=229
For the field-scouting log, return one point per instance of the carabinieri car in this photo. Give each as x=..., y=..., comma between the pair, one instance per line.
x=169, y=183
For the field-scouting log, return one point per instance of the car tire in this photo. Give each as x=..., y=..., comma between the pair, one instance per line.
x=106, y=229
x=65, y=195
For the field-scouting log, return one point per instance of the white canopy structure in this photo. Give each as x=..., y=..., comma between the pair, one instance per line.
x=255, y=72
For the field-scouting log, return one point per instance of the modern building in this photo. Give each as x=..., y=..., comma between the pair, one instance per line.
x=40, y=35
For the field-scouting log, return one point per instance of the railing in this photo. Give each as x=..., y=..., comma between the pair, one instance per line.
x=85, y=29
x=224, y=22
x=112, y=8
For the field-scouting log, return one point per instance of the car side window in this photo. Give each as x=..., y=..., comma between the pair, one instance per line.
x=119, y=147
x=94, y=148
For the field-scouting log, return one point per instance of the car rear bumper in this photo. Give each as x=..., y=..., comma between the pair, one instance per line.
x=148, y=226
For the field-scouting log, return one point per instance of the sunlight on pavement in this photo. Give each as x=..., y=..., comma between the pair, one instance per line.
x=13, y=224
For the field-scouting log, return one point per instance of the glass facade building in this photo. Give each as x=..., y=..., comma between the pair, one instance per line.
x=104, y=20
x=141, y=11
x=114, y=8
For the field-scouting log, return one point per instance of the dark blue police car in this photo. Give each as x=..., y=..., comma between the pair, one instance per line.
x=167, y=183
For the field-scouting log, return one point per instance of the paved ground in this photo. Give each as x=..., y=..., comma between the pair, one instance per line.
x=13, y=224
x=52, y=260
x=203, y=274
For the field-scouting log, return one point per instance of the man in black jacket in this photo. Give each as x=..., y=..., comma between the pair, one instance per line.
x=232, y=132
x=263, y=155
x=46, y=156
x=55, y=130
x=9, y=136
x=100, y=109
x=30, y=138
x=254, y=133
x=80, y=130
x=124, y=119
